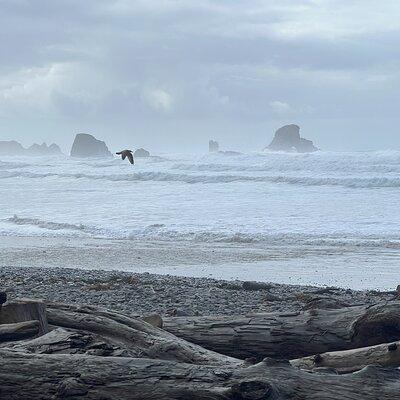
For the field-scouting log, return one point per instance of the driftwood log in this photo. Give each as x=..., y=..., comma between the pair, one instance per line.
x=385, y=355
x=291, y=335
x=32, y=376
x=93, y=353
x=18, y=330
x=132, y=334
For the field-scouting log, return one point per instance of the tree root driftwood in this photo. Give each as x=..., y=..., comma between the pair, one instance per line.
x=94, y=353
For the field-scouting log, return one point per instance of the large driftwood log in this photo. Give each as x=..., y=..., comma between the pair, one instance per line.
x=346, y=361
x=291, y=335
x=137, y=337
x=32, y=376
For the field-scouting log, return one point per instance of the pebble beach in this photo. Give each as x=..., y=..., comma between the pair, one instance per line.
x=167, y=295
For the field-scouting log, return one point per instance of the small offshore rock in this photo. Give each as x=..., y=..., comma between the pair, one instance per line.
x=141, y=153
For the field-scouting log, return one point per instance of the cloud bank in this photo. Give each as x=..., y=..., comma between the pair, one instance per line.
x=171, y=74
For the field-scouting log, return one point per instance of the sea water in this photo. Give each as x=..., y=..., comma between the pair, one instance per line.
x=348, y=202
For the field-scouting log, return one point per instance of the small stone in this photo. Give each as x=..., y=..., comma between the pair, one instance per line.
x=153, y=319
x=250, y=285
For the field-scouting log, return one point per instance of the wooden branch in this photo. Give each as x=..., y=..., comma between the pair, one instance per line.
x=385, y=355
x=293, y=335
x=45, y=377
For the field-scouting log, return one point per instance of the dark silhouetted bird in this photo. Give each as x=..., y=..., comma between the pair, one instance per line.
x=127, y=153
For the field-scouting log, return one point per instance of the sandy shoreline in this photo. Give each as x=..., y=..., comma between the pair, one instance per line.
x=318, y=266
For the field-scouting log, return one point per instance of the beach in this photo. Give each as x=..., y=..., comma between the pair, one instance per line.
x=259, y=262
x=138, y=294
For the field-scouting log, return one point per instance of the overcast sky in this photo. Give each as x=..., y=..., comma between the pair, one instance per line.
x=169, y=75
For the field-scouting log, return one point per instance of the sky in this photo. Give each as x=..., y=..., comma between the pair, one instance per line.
x=168, y=75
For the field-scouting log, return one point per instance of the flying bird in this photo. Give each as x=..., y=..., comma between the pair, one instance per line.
x=126, y=153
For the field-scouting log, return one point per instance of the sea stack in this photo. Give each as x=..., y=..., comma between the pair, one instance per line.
x=86, y=145
x=288, y=139
x=13, y=148
x=44, y=150
x=141, y=153
x=213, y=146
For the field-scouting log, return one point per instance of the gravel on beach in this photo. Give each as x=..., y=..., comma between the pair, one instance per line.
x=144, y=293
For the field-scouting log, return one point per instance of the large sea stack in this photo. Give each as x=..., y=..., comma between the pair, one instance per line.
x=88, y=146
x=288, y=138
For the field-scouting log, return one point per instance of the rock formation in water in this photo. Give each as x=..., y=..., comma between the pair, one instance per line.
x=288, y=138
x=88, y=146
x=141, y=153
x=213, y=146
x=13, y=148
x=43, y=150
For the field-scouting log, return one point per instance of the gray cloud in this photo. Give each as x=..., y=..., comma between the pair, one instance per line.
x=170, y=74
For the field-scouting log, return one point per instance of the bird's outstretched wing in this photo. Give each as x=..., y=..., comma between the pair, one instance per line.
x=123, y=155
x=130, y=158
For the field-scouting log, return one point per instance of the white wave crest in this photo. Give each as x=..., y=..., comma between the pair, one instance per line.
x=45, y=224
x=349, y=182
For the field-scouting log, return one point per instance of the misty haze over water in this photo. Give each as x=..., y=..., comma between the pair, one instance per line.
x=169, y=75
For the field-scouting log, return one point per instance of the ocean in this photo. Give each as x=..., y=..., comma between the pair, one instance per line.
x=325, y=209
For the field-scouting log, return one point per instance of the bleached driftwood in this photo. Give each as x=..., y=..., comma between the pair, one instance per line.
x=94, y=353
x=32, y=376
x=291, y=335
x=18, y=330
x=132, y=334
x=346, y=361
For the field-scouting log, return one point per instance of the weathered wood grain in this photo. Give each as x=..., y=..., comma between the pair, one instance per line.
x=385, y=355
x=32, y=376
x=291, y=335
x=138, y=337
x=25, y=310
x=18, y=330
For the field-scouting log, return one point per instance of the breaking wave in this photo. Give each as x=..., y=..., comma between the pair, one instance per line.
x=161, y=232
x=349, y=182
x=50, y=225
x=12, y=165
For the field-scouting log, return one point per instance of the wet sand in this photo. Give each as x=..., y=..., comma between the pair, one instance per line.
x=229, y=261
